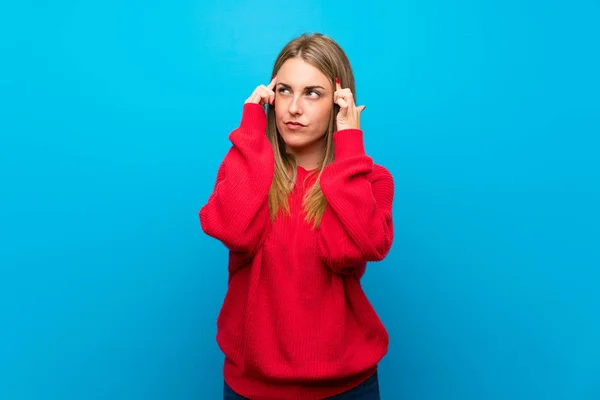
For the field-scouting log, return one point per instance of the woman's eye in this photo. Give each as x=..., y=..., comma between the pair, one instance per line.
x=310, y=93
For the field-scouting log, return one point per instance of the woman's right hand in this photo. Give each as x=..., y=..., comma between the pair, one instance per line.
x=264, y=94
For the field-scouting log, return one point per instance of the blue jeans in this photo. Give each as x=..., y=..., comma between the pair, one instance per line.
x=368, y=390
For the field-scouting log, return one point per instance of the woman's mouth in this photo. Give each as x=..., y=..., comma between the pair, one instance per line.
x=294, y=125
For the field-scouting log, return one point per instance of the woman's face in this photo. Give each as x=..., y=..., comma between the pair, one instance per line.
x=303, y=104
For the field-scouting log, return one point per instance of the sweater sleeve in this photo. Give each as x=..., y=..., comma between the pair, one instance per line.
x=237, y=211
x=357, y=224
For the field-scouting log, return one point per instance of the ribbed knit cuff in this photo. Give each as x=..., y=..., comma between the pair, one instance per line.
x=254, y=117
x=348, y=143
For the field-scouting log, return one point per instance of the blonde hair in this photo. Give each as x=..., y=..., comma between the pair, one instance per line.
x=328, y=57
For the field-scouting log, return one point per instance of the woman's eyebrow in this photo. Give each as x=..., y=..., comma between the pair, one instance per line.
x=306, y=88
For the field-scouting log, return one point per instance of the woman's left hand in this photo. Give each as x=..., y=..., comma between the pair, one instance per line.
x=349, y=115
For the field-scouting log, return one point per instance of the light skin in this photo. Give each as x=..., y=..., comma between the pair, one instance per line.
x=305, y=99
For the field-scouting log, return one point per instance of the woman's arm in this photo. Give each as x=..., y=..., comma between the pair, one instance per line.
x=237, y=211
x=357, y=224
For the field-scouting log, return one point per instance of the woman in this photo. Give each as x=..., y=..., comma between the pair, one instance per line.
x=302, y=209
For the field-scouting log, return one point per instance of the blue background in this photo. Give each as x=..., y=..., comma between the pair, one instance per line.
x=114, y=117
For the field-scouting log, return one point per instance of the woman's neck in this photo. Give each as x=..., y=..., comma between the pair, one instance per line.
x=310, y=158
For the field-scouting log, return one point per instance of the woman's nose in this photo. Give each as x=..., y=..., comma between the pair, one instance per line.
x=295, y=106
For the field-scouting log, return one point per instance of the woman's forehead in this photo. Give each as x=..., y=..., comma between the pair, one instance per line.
x=297, y=72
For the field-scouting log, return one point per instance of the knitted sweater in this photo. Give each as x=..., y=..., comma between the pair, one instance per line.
x=295, y=322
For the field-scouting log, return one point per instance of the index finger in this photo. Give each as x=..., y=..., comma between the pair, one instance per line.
x=273, y=83
x=338, y=86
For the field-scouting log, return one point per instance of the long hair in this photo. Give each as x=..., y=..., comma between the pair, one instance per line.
x=328, y=57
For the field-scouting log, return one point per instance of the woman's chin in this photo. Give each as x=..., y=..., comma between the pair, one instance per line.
x=295, y=140
x=299, y=142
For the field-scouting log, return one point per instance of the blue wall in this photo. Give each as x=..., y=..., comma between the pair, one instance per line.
x=114, y=117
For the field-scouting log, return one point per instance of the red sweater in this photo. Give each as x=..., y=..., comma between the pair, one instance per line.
x=295, y=323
